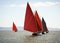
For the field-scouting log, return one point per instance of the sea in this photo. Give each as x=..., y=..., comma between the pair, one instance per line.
x=22, y=28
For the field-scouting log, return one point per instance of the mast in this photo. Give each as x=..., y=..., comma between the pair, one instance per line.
x=14, y=28
x=39, y=22
x=44, y=25
x=29, y=23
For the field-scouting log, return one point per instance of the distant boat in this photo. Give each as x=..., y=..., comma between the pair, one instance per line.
x=45, y=29
x=14, y=28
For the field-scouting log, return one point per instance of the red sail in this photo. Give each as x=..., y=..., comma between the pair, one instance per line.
x=44, y=25
x=39, y=22
x=14, y=28
x=29, y=24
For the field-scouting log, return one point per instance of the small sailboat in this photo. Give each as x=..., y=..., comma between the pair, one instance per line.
x=45, y=29
x=32, y=22
x=14, y=28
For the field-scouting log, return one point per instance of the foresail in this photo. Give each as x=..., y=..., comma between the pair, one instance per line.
x=39, y=22
x=29, y=24
x=44, y=25
x=14, y=28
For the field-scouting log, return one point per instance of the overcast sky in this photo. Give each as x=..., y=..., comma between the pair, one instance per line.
x=14, y=11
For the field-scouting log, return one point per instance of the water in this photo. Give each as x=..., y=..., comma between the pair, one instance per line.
x=21, y=28
x=26, y=37
x=10, y=28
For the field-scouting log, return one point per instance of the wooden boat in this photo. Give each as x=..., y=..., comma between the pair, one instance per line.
x=31, y=23
x=14, y=28
x=45, y=29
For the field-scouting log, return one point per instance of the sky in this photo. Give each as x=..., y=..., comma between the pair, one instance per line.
x=14, y=11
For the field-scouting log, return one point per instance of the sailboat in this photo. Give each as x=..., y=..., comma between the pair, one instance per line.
x=45, y=29
x=14, y=28
x=30, y=23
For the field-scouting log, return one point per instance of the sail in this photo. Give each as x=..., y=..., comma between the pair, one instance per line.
x=44, y=25
x=39, y=22
x=29, y=24
x=14, y=28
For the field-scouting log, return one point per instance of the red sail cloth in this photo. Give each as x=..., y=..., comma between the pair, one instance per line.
x=14, y=28
x=39, y=22
x=30, y=24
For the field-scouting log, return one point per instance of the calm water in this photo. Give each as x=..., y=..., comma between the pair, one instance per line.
x=21, y=28
x=10, y=28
